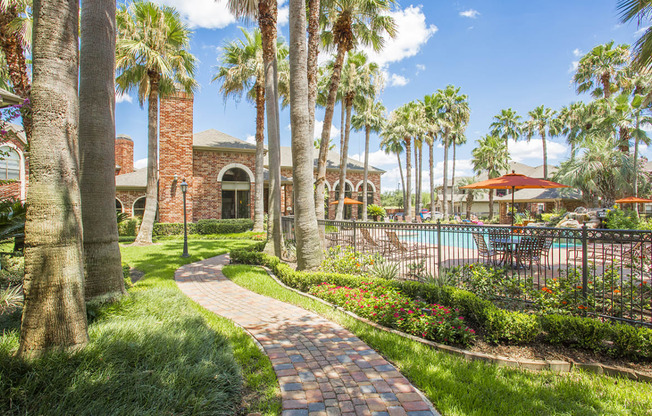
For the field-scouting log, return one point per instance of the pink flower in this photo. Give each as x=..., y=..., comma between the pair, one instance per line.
x=396, y=315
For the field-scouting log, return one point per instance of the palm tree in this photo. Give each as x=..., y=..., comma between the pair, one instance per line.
x=357, y=84
x=242, y=70
x=638, y=11
x=151, y=55
x=54, y=312
x=491, y=155
x=433, y=125
x=370, y=116
x=392, y=142
x=506, y=125
x=15, y=42
x=542, y=121
x=266, y=12
x=314, y=9
x=348, y=24
x=454, y=114
x=471, y=194
x=458, y=139
x=574, y=121
x=103, y=266
x=309, y=254
x=597, y=70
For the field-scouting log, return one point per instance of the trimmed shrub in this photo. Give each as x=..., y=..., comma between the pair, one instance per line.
x=173, y=228
x=224, y=226
x=129, y=227
x=583, y=332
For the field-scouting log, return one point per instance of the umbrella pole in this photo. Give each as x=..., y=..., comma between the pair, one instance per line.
x=513, y=206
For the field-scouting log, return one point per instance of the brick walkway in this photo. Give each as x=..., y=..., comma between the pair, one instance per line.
x=323, y=369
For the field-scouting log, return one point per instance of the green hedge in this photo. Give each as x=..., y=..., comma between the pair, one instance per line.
x=173, y=228
x=129, y=227
x=204, y=227
x=498, y=325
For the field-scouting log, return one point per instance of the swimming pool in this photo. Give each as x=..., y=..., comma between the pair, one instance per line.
x=462, y=239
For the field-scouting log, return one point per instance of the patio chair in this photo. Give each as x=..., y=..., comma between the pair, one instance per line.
x=406, y=249
x=529, y=250
x=483, y=250
x=379, y=245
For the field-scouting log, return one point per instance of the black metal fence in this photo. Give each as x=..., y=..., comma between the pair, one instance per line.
x=582, y=271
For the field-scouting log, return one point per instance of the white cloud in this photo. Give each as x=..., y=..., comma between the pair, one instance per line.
x=378, y=158
x=412, y=34
x=121, y=98
x=396, y=80
x=208, y=14
x=471, y=13
x=283, y=16
x=140, y=163
x=420, y=68
x=573, y=67
x=319, y=125
x=532, y=151
x=251, y=139
x=641, y=30
x=577, y=53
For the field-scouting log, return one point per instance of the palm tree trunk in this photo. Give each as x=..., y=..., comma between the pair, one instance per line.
x=309, y=254
x=313, y=64
x=420, y=176
x=365, y=176
x=453, y=177
x=326, y=131
x=259, y=209
x=444, y=193
x=408, y=182
x=267, y=14
x=103, y=266
x=469, y=204
x=345, y=157
x=400, y=169
x=151, y=194
x=17, y=64
x=431, y=145
x=545, y=157
x=54, y=312
x=416, y=179
x=636, y=161
x=491, y=204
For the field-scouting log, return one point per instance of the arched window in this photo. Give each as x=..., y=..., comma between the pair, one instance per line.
x=139, y=207
x=9, y=163
x=118, y=206
x=235, y=175
x=236, y=194
x=348, y=193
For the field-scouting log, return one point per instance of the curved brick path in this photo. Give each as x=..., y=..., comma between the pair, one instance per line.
x=323, y=369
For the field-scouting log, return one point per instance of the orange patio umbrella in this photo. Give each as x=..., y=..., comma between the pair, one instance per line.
x=348, y=201
x=633, y=200
x=514, y=181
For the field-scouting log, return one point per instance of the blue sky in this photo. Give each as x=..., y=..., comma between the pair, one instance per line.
x=508, y=53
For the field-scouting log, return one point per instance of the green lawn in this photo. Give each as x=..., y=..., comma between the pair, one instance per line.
x=459, y=387
x=155, y=352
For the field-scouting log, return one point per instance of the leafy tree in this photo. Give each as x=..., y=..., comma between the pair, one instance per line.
x=151, y=55
x=597, y=70
x=242, y=71
x=346, y=25
x=471, y=194
x=542, y=122
x=639, y=11
x=490, y=155
x=54, y=311
x=392, y=142
x=104, y=278
x=507, y=125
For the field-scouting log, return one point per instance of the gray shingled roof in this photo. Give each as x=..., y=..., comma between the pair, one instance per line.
x=135, y=179
x=216, y=139
x=533, y=195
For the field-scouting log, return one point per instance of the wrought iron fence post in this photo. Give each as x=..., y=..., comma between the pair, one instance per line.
x=585, y=262
x=438, y=247
x=355, y=239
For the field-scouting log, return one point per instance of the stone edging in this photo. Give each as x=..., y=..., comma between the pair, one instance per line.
x=557, y=366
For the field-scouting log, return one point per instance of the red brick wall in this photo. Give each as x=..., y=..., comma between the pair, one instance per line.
x=124, y=155
x=175, y=157
x=10, y=190
x=207, y=202
x=128, y=198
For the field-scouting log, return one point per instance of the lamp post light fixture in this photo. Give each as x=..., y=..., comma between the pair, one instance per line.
x=184, y=188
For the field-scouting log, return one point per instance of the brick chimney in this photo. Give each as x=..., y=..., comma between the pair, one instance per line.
x=124, y=154
x=175, y=156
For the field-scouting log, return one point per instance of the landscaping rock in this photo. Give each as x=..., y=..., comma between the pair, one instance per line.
x=644, y=377
x=620, y=372
x=590, y=367
x=505, y=362
x=559, y=366
x=535, y=365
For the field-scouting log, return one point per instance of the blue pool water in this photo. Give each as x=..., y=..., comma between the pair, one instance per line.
x=458, y=239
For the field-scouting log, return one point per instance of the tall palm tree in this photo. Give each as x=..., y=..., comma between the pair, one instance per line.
x=347, y=24
x=574, y=122
x=542, y=121
x=314, y=13
x=266, y=12
x=242, y=71
x=454, y=113
x=103, y=267
x=638, y=11
x=15, y=43
x=392, y=142
x=459, y=138
x=357, y=84
x=490, y=155
x=506, y=125
x=54, y=312
x=597, y=70
x=471, y=194
x=370, y=117
x=308, y=247
x=433, y=126
x=151, y=54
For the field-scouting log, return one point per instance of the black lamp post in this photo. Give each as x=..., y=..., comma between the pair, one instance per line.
x=184, y=188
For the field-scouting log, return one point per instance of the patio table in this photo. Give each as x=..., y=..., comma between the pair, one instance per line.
x=509, y=248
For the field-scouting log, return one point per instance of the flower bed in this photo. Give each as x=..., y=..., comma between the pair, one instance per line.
x=388, y=307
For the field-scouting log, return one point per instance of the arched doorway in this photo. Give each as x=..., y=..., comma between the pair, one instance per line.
x=348, y=192
x=371, y=189
x=236, y=193
x=118, y=206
